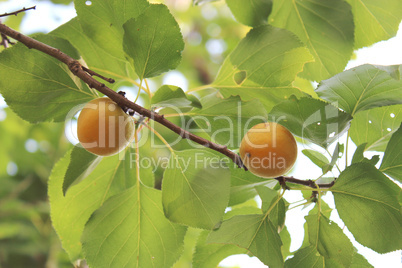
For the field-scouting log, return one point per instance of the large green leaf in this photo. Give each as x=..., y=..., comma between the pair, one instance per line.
x=244, y=183
x=306, y=257
x=275, y=208
x=39, y=87
x=250, y=12
x=96, y=58
x=358, y=156
x=69, y=213
x=329, y=239
x=376, y=126
x=253, y=232
x=228, y=120
x=195, y=188
x=392, y=161
x=80, y=163
x=325, y=26
x=375, y=20
x=311, y=119
x=102, y=21
x=153, y=41
x=367, y=202
x=363, y=87
x=130, y=230
x=210, y=255
x=172, y=96
x=263, y=66
x=359, y=261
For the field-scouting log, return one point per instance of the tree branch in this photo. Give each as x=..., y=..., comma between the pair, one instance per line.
x=17, y=12
x=85, y=75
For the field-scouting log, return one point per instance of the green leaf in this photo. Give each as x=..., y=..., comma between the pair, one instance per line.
x=131, y=230
x=153, y=41
x=367, y=202
x=375, y=20
x=227, y=121
x=376, y=126
x=69, y=213
x=359, y=157
x=392, y=161
x=96, y=58
x=250, y=12
x=40, y=87
x=210, y=255
x=286, y=240
x=243, y=185
x=267, y=196
x=270, y=58
x=253, y=232
x=316, y=157
x=326, y=27
x=271, y=205
x=195, y=188
x=335, y=156
x=360, y=262
x=362, y=88
x=172, y=96
x=311, y=119
x=329, y=239
x=306, y=257
x=102, y=21
x=80, y=163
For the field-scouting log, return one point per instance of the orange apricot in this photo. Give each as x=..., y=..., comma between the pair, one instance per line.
x=268, y=150
x=104, y=128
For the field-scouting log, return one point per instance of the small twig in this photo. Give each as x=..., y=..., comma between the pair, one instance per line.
x=5, y=42
x=77, y=69
x=17, y=12
x=92, y=73
x=310, y=183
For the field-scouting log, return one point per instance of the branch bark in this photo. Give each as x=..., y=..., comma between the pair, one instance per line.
x=17, y=12
x=86, y=75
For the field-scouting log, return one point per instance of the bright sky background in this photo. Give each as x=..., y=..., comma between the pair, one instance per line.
x=383, y=53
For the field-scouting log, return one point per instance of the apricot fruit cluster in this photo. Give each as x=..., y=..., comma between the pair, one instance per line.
x=103, y=128
x=268, y=150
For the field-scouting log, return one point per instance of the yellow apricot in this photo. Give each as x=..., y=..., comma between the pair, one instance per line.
x=268, y=150
x=104, y=128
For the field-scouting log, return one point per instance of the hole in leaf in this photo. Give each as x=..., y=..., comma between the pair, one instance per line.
x=331, y=134
x=392, y=115
x=369, y=121
x=318, y=123
x=239, y=77
x=88, y=3
x=389, y=129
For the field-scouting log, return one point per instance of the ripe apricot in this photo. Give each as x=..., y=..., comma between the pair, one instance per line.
x=268, y=150
x=104, y=128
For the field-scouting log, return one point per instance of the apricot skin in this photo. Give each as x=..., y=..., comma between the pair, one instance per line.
x=103, y=128
x=268, y=150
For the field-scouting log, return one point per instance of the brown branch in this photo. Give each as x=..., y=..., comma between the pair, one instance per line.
x=17, y=12
x=78, y=70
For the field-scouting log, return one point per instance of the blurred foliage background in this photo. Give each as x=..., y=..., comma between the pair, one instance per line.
x=28, y=152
